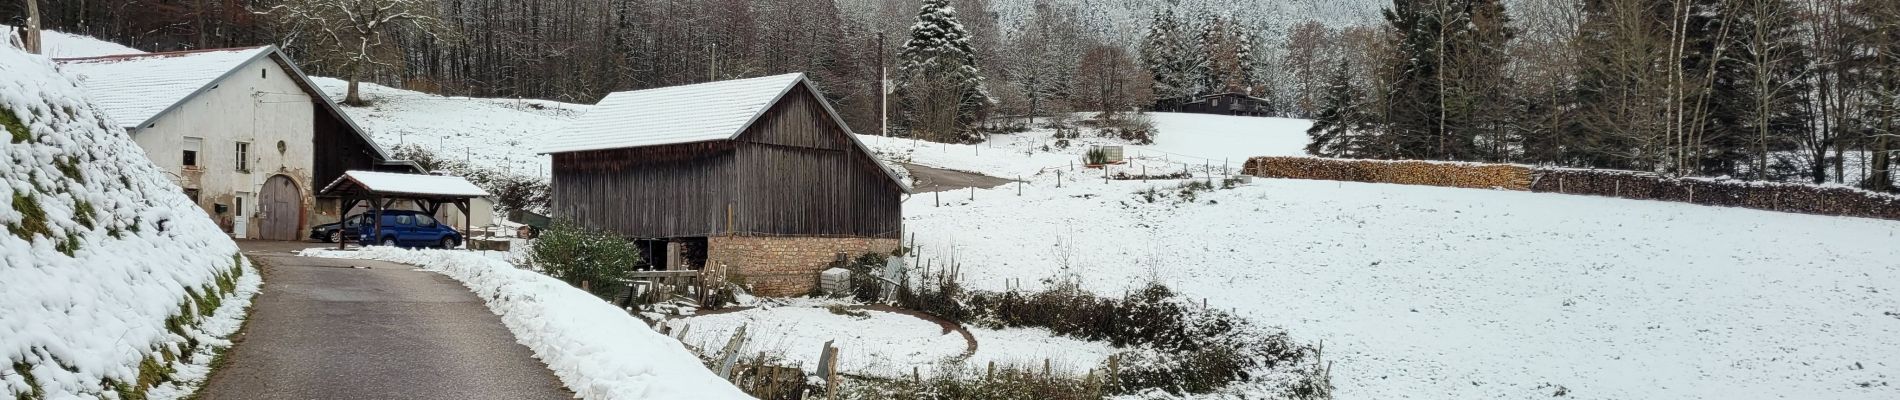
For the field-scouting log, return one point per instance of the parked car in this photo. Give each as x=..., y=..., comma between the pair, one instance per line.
x=337, y=231
x=405, y=228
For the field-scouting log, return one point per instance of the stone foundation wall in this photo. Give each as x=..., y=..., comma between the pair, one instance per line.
x=783, y=266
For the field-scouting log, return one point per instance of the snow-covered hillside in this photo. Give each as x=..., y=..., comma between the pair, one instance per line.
x=58, y=44
x=1426, y=292
x=498, y=133
x=110, y=279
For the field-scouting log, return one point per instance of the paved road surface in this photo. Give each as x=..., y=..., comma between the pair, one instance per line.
x=932, y=179
x=327, y=329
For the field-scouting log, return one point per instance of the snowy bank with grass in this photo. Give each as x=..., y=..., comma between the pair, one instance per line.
x=598, y=350
x=112, y=283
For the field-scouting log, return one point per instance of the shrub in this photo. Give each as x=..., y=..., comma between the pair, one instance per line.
x=510, y=191
x=596, y=260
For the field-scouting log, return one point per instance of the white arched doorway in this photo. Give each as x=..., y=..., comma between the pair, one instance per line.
x=279, y=209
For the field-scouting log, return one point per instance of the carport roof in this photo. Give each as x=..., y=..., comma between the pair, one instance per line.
x=403, y=185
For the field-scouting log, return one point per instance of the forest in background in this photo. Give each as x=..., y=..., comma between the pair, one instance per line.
x=1789, y=90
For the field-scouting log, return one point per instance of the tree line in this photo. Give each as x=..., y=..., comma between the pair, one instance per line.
x=1757, y=89
x=1786, y=90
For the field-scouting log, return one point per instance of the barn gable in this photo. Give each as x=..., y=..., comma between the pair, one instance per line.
x=788, y=166
x=712, y=111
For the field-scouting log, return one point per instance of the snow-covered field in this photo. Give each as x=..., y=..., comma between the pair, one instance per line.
x=104, y=264
x=598, y=350
x=1426, y=292
x=885, y=344
x=1198, y=142
x=496, y=133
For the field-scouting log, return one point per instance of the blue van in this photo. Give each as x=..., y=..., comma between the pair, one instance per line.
x=406, y=228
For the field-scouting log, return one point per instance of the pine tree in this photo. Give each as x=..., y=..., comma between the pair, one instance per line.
x=1337, y=131
x=939, y=87
x=1164, y=54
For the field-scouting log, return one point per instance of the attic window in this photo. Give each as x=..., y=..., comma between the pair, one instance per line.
x=263, y=72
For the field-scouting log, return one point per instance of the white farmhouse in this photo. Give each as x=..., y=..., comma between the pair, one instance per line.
x=242, y=131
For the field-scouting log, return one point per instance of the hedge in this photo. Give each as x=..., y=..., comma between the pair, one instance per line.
x=1771, y=196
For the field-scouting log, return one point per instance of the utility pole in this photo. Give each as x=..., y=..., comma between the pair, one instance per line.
x=883, y=91
x=32, y=37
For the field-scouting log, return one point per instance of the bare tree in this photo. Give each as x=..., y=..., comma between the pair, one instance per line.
x=354, y=36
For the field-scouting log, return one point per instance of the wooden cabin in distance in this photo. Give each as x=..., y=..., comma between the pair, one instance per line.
x=1229, y=103
x=757, y=178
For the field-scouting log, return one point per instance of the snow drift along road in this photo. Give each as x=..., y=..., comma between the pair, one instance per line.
x=110, y=279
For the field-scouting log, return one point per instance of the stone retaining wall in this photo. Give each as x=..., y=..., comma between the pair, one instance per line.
x=784, y=266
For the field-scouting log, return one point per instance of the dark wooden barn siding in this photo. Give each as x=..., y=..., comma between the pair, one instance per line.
x=801, y=175
x=649, y=192
x=792, y=173
x=338, y=149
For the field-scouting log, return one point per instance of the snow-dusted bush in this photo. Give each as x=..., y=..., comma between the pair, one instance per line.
x=585, y=258
x=1171, y=345
x=112, y=282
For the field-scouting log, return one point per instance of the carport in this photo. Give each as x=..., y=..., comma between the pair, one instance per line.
x=383, y=189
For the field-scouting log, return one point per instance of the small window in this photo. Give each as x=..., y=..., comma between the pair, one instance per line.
x=243, y=156
x=425, y=221
x=239, y=203
x=191, y=149
x=263, y=72
x=192, y=194
x=405, y=220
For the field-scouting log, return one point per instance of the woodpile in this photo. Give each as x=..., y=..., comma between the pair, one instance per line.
x=1772, y=196
x=1428, y=173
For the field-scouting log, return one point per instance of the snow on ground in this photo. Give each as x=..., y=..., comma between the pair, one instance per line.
x=497, y=133
x=58, y=44
x=99, y=250
x=876, y=343
x=1185, y=141
x=598, y=350
x=885, y=344
x=1426, y=292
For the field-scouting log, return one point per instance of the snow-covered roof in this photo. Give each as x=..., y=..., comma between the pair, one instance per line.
x=414, y=184
x=135, y=88
x=689, y=113
x=1230, y=94
x=676, y=114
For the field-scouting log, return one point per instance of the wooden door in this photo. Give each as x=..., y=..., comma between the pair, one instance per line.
x=280, y=213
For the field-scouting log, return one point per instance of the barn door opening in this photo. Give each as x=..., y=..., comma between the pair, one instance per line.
x=280, y=211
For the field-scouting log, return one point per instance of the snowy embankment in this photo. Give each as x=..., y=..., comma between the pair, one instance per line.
x=111, y=281
x=598, y=350
x=501, y=134
x=1464, y=293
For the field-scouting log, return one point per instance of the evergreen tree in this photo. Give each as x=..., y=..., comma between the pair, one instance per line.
x=1338, y=130
x=939, y=87
x=1164, y=54
x=1448, y=75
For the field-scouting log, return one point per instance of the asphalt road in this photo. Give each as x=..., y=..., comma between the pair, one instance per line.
x=932, y=179
x=357, y=329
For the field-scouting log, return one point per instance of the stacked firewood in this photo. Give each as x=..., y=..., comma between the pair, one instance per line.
x=1429, y=173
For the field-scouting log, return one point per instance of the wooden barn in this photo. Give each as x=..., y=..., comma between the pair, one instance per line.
x=757, y=178
x=1230, y=103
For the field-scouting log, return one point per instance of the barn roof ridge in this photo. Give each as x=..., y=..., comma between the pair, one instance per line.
x=656, y=110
